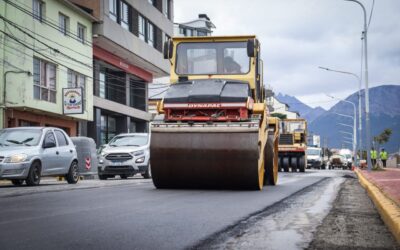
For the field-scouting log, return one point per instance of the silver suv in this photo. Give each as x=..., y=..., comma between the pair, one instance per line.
x=27, y=153
x=125, y=155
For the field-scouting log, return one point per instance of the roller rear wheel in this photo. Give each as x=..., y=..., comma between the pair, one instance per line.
x=285, y=163
x=271, y=161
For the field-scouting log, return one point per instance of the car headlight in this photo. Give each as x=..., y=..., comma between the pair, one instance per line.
x=140, y=160
x=137, y=153
x=17, y=158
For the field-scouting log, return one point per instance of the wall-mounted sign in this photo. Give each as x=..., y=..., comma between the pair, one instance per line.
x=72, y=101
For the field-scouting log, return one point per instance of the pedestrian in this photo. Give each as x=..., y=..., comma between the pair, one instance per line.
x=374, y=154
x=383, y=155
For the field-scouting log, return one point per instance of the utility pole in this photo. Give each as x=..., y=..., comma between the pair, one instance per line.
x=367, y=121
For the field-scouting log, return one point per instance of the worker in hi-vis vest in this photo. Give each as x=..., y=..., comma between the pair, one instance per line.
x=383, y=155
x=374, y=155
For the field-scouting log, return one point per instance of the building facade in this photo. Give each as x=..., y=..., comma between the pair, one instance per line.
x=277, y=107
x=45, y=47
x=127, y=50
x=202, y=26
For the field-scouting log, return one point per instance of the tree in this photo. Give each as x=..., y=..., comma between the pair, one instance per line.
x=383, y=137
x=279, y=115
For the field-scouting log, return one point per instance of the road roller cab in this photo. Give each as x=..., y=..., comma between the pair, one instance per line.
x=216, y=131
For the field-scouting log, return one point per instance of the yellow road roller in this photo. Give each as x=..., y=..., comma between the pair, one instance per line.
x=215, y=131
x=293, y=145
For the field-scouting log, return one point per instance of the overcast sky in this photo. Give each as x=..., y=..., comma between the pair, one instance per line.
x=297, y=36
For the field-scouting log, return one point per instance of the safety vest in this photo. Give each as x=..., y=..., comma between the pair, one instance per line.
x=373, y=154
x=383, y=155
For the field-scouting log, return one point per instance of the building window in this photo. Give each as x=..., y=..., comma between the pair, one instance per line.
x=77, y=80
x=102, y=85
x=167, y=8
x=142, y=28
x=189, y=32
x=113, y=9
x=150, y=34
x=38, y=9
x=108, y=128
x=44, y=80
x=201, y=33
x=152, y=2
x=81, y=33
x=124, y=15
x=63, y=23
x=182, y=31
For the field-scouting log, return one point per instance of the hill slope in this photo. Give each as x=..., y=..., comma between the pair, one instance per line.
x=304, y=110
x=384, y=113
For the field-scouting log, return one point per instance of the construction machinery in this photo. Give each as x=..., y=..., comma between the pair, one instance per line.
x=293, y=145
x=216, y=132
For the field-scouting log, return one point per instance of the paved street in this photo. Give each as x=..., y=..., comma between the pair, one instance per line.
x=132, y=214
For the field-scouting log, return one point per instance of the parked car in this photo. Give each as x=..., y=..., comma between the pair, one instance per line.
x=125, y=155
x=28, y=153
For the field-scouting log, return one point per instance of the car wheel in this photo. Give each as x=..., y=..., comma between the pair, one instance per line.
x=73, y=174
x=33, y=178
x=123, y=176
x=147, y=174
x=102, y=177
x=17, y=182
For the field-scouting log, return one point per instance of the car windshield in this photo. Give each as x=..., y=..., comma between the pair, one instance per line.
x=20, y=137
x=223, y=58
x=131, y=140
x=313, y=151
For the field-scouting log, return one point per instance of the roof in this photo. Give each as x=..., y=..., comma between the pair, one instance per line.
x=79, y=10
x=241, y=37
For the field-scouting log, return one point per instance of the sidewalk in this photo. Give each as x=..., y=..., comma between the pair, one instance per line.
x=387, y=181
x=383, y=187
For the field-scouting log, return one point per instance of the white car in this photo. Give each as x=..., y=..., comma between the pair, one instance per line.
x=125, y=155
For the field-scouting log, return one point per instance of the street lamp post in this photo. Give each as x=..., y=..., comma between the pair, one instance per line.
x=359, y=103
x=344, y=132
x=367, y=122
x=354, y=126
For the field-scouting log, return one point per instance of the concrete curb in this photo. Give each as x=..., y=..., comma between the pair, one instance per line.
x=388, y=209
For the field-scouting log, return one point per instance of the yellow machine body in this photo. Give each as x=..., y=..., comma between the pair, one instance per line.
x=218, y=155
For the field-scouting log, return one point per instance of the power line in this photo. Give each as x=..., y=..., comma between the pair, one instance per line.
x=119, y=90
x=370, y=15
x=45, y=20
x=110, y=76
x=46, y=38
x=48, y=46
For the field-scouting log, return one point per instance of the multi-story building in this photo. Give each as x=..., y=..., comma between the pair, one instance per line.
x=277, y=107
x=45, y=47
x=201, y=26
x=127, y=51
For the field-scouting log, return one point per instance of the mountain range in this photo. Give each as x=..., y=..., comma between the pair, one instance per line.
x=384, y=113
x=296, y=105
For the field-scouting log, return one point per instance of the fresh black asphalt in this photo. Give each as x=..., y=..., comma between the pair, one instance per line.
x=133, y=216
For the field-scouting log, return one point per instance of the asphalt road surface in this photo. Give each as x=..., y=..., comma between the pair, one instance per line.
x=132, y=214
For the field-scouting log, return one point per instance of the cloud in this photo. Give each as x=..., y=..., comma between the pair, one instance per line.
x=298, y=36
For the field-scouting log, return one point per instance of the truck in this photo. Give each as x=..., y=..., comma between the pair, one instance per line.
x=341, y=159
x=314, y=158
x=292, y=145
x=216, y=131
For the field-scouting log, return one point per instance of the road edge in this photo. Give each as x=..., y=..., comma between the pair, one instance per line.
x=388, y=209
